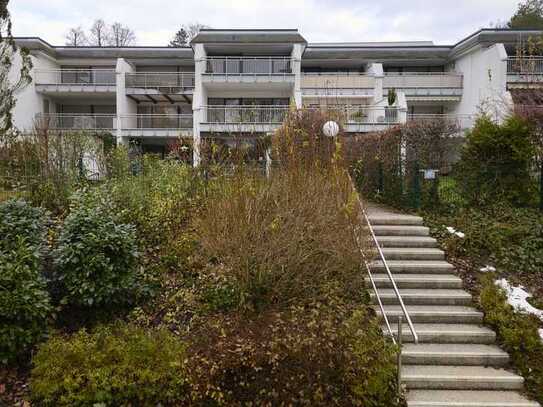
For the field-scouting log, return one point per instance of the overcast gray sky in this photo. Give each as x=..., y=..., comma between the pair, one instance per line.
x=155, y=21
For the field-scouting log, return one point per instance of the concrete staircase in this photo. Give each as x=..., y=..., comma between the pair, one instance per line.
x=456, y=362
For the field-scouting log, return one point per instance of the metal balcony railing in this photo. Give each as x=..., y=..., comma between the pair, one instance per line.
x=156, y=121
x=75, y=77
x=337, y=80
x=158, y=80
x=246, y=114
x=248, y=65
x=528, y=65
x=440, y=80
x=364, y=114
x=463, y=121
x=79, y=121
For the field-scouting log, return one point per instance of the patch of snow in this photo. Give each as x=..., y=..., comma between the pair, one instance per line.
x=541, y=334
x=455, y=232
x=517, y=296
x=488, y=269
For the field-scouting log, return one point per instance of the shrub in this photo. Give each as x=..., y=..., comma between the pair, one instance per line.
x=96, y=258
x=19, y=219
x=496, y=162
x=119, y=365
x=386, y=165
x=159, y=202
x=271, y=359
x=517, y=333
x=48, y=165
x=290, y=237
x=24, y=301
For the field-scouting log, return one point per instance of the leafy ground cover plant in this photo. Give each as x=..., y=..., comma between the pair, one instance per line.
x=508, y=238
x=116, y=365
x=325, y=353
x=517, y=334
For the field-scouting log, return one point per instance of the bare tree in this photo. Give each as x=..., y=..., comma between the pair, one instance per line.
x=99, y=33
x=121, y=36
x=76, y=37
x=193, y=29
x=179, y=39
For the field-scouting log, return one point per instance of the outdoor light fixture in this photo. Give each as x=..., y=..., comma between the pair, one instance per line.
x=330, y=129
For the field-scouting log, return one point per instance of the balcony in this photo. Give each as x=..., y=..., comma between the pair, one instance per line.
x=75, y=81
x=431, y=86
x=462, y=121
x=160, y=86
x=274, y=72
x=365, y=119
x=243, y=119
x=75, y=122
x=525, y=72
x=337, y=85
x=156, y=125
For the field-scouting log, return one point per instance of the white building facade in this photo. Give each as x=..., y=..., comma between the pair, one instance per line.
x=245, y=81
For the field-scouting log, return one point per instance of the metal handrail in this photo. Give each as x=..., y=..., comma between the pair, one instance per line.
x=368, y=268
x=393, y=282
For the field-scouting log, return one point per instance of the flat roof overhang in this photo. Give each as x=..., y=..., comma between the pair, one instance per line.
x=390, y=55
x=250, y=36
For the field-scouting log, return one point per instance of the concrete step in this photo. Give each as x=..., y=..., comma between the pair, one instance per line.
x=457, y=354
x=434, y=314
x=446, y=333
x=459, y=377
x=417, y=281
x=395, y=219
x=417, y=296
x=413, y=266
x=407, y=241
x=467, y=398
x=400, y=230
x=411, y=253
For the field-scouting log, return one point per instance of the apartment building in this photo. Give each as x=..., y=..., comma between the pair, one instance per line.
x=243, y=82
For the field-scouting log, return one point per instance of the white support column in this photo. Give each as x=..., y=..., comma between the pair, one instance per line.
x=199, y=101
x=401, y=104
x=125, y=106
x=376, y=69
x=296, y=66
